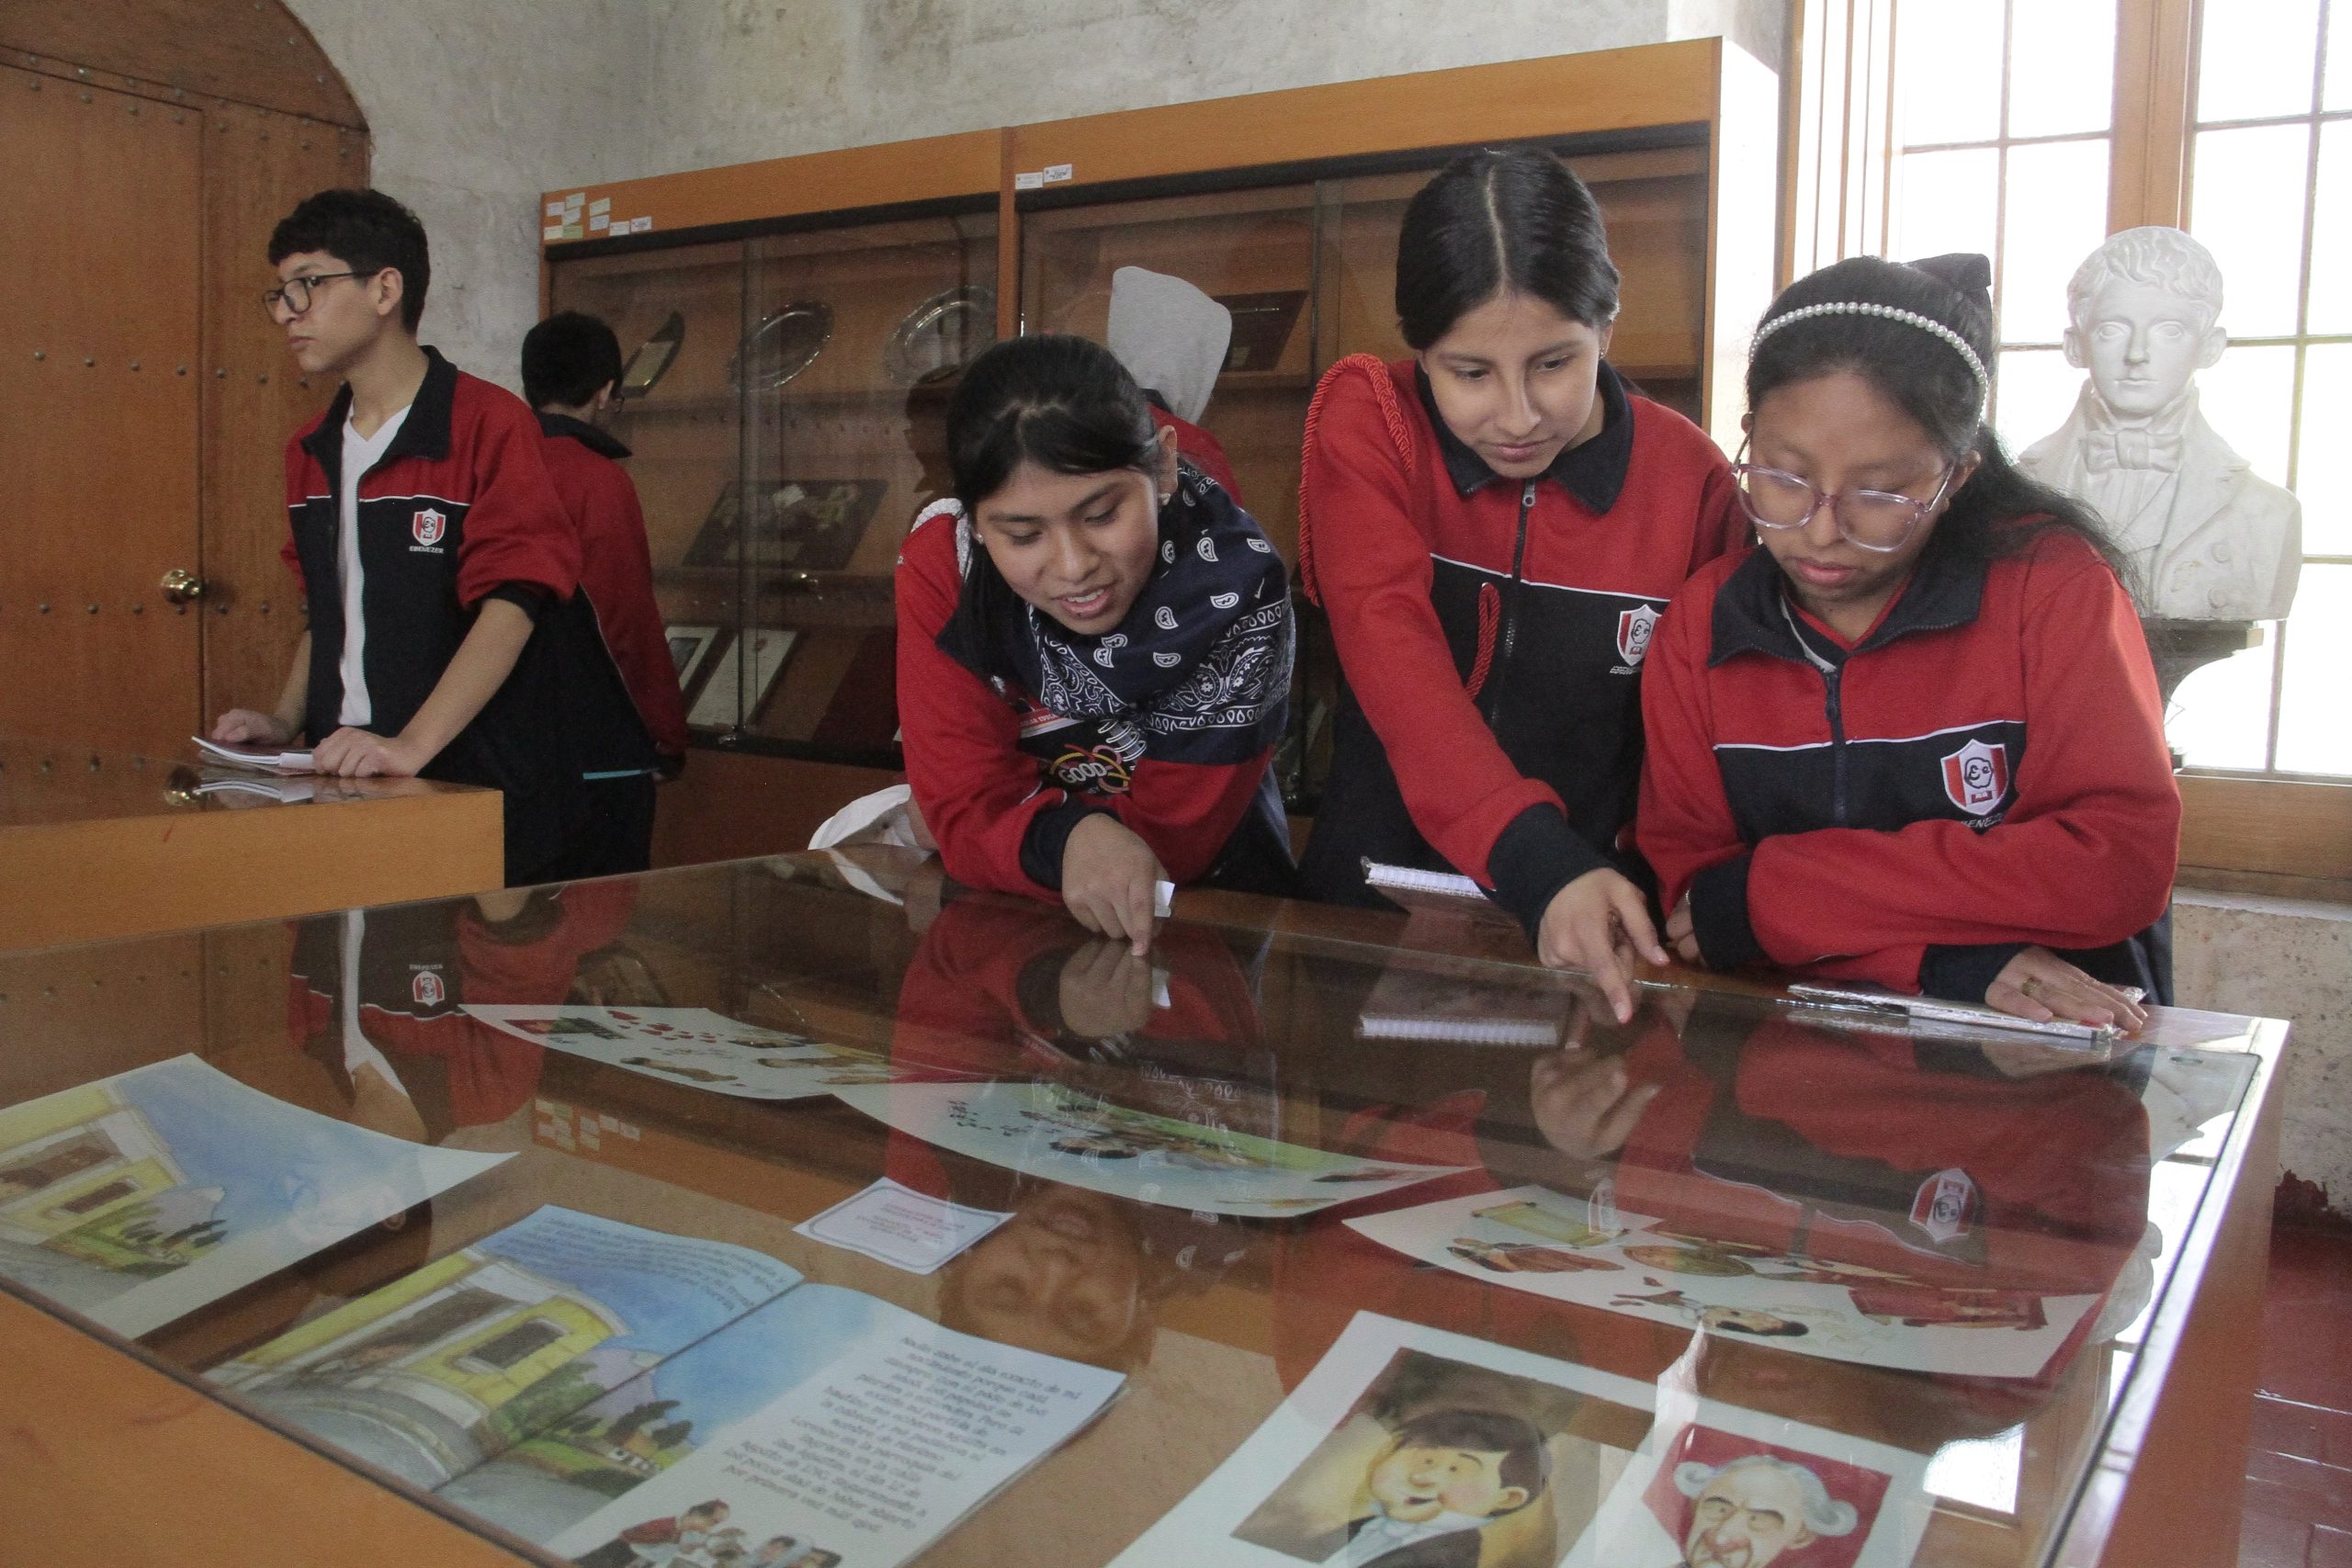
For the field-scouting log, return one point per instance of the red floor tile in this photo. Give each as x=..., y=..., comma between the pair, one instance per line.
x=2324, y=1492
x=2303, y=1430
x=2329, y=1549
x=2307, y=1321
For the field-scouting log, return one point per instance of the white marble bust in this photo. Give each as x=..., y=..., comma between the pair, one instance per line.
x=2208, y=540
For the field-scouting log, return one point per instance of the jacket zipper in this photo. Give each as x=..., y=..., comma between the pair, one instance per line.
x=1833, y=692
x=1497, y=682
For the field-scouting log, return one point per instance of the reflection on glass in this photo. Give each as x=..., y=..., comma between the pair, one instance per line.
x=2313, y=736
x=2257, y=60
x=2249, y=212
x=2052, y=88
x=2335, y=91
x=1947, y=66
x=2249, y=397
x=2327, y=415
x=2220, y=716
x=2329, y=310
x=2035, y=393
x=2056, y=198
x=1946, y=201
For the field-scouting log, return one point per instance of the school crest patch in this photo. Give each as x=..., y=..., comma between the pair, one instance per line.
x=1944, y=1205
x=1633, y=629
x=428, y=526
x=426, y=987
x=1976, y=777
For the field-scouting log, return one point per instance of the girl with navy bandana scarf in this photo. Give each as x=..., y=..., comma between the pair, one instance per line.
x=1094, y=650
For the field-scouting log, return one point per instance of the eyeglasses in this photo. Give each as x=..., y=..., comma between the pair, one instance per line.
x=294, y=293
x=1876, y=520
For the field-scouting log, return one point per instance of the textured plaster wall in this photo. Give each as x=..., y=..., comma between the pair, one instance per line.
x=2282, y=958
x=735, y=80
x=476, y=107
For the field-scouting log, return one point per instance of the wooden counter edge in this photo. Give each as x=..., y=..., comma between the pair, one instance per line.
x=106, y=1458
x=2168, y=1483
x=141, y=876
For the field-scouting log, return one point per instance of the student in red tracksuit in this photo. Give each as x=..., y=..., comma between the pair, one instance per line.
x=1494, y=525
x=571, y=365
x=1094, y=650
x=427, y=538
x=1914, y=738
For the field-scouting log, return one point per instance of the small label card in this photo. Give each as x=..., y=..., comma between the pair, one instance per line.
x=900, y=1226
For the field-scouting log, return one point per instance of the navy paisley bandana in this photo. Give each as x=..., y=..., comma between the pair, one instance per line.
x=1198, y=671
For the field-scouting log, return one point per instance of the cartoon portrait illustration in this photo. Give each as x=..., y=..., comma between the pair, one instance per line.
x=1522, y=1257
x=1438, y=1464
x=1704, y=1259
x=1732, y=1502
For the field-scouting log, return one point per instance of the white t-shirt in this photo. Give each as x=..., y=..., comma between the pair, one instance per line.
x=360, y=455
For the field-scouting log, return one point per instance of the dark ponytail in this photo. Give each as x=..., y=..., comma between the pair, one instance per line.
x=1062, y=403
x=1509, y=221
x=1999, y=509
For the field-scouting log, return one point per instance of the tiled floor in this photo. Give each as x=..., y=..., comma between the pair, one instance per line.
x=2299, y=1478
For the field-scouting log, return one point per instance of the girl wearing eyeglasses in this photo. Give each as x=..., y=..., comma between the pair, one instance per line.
x=1492, y=525
x=1914, y=738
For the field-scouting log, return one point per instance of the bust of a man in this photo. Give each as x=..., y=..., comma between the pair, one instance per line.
x=2208, y=540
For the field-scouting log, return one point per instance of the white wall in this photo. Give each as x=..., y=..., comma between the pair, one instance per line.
x=475, y=107
x=478, y=105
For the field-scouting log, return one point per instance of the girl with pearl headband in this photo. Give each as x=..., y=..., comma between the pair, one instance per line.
x=1914, y=736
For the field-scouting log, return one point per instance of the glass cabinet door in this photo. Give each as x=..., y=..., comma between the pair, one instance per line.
x=678, y=313
x=853, y=337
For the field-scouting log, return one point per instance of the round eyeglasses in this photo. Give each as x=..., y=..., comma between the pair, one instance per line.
x=293, y=296
x=1876, y=520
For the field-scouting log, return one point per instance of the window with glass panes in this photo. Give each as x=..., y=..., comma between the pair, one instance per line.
x=2270, y=194
x=2001, y=146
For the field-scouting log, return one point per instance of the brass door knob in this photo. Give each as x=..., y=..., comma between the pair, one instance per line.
x=181, y=585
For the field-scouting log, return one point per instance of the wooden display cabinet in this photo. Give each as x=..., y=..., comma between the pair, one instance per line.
x=1286, y=204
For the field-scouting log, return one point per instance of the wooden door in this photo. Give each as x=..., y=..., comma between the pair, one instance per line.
x=98, y=413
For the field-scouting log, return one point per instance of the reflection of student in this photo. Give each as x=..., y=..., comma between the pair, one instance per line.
x=1754, y=1510
x=1094, y=650
x=1448, y=1474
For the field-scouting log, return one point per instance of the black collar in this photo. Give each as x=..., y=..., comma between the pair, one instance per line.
x=603, y=443
x=1594, y=473
x=424, y=434
x=1753, y=613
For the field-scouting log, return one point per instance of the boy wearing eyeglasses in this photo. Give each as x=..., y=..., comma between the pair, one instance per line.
x=428, y=538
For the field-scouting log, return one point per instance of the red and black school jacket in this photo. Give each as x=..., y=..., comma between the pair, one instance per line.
x=1002, y=777
x=1874, y=1149
x=416, y=967
x=1984, y=770
x=459, y=509
x=1491, y=631
x=616, y=575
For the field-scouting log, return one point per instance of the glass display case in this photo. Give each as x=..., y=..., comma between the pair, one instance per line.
x=440, y=1189
x=785, y=419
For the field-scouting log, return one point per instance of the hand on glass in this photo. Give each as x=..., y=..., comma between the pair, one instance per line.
x=250, y=727
x=1110, y=879
x=2039, y=985
x=1105, y=990
x=353, y=753
x=1600, y=923
x=1683, y=933
x=1585, y=1106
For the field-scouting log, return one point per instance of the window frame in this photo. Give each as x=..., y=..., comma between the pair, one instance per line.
x=1839, y=147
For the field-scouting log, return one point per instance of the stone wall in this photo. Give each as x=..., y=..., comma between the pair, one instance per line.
x=478, y=105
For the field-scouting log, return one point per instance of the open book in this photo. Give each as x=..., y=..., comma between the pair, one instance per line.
x=611, y=1394
x=266, y=759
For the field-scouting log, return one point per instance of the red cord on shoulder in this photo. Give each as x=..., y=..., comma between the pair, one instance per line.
x=1384, y=392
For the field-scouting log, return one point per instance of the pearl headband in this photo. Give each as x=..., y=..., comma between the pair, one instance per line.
x=1890, y=314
